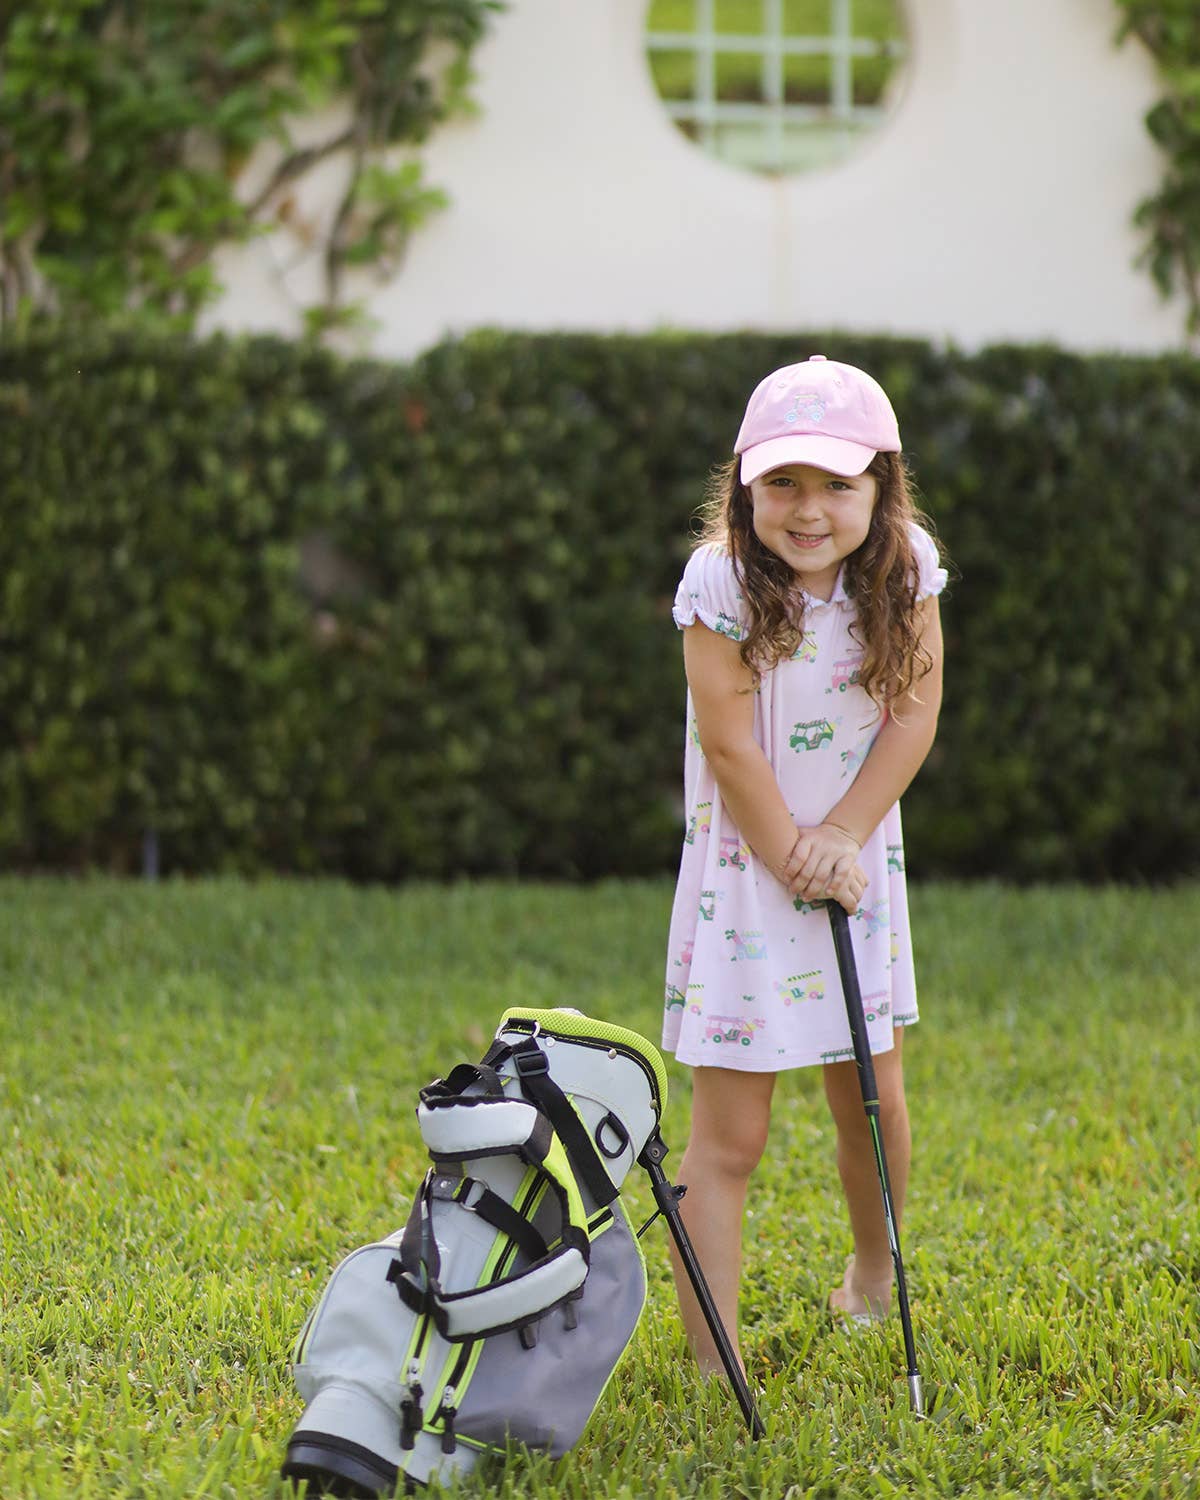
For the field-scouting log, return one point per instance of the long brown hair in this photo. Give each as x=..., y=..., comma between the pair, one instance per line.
x=880, y=577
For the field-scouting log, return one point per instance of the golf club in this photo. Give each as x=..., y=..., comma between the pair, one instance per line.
x=848, y=970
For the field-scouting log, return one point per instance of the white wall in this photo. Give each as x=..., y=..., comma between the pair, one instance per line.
x=995, y=205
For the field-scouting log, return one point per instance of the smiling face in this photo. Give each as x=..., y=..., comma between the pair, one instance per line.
x=813, y=520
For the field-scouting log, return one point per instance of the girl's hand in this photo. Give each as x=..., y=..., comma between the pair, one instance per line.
x=824, y=866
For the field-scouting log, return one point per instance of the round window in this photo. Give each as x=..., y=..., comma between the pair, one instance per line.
x=776, y=85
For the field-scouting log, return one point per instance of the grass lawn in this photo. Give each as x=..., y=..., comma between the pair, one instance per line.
x=206, y=1099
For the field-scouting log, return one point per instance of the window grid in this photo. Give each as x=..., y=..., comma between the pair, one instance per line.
x=705, y=112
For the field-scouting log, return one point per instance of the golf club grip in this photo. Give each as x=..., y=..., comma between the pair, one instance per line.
x=848, y=970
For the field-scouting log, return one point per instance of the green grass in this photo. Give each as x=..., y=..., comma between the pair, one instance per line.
x=206, y=1098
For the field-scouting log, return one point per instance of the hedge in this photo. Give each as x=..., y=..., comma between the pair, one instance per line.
x=295, y=613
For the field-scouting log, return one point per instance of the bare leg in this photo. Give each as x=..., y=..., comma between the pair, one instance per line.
x=730, y=1114
x=867, y=1287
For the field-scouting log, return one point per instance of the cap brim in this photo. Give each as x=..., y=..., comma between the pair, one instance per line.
x=835, y=454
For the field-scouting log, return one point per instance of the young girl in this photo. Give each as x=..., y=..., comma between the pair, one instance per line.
x=813, y=653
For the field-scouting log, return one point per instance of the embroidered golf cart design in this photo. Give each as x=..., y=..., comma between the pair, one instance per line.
x=798, y=987
x=675, y=997
x=895, y=859
x=876, y=917
x=732, y=1029
x=837, y=1054
x=807, y=649
x=728, y=626
x=853, y=759
x=685, y=954
x=695, y=999
x=708, y=905
x=877, y=1005
x=812, y=735
x=699, y=822
x=746, y=945
x=845, y=674
x=734, y=852
x=810, y=404
x=805, y=906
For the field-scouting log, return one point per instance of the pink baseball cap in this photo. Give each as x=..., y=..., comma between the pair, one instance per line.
x=818, y=412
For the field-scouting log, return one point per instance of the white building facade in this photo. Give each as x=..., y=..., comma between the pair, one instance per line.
x=994, y=204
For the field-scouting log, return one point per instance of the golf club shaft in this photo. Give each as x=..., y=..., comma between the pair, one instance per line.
x=848, y=969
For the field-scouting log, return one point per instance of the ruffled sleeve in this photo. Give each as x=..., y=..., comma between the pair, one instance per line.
x=931, y=576
x=709, y=592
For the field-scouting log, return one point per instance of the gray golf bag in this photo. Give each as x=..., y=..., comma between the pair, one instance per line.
x=499, y=1312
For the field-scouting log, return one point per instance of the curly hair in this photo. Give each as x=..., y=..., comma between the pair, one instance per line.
x=880, y=577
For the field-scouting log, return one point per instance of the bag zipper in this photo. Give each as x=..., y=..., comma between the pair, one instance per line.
x=458, y=1375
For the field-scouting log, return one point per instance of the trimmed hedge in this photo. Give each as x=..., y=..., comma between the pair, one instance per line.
x=295, y=613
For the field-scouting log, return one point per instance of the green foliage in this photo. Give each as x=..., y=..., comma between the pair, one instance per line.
x=125, y=126
x=1170, y=29
x=298, y=614
x=206, y=1100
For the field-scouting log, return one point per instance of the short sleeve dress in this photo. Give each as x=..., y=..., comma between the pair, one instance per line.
x=752, y=979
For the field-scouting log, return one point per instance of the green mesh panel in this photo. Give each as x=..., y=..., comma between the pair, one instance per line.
x=567, y=1023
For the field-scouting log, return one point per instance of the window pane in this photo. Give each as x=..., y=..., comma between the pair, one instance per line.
x=739, y=17
x=806, y=80
x=809, y=17
x=671, y=15
x=674, y=73
x=871, y=75
x=878, y=20
x=739, y=77
x=779, y=103
x=805, y=149
x=745, y=145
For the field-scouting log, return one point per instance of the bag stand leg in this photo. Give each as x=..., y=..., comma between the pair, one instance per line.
x=667, y=1197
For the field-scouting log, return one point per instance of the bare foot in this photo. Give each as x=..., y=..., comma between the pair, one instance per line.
x=861, y=1302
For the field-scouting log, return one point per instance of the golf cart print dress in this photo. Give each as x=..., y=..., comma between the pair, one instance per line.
x=752, y=978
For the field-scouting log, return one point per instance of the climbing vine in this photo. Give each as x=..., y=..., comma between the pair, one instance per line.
x=1170, y=217
x=126, y=127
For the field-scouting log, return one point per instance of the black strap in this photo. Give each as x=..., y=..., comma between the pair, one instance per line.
x=540, y=1089
x=449, y=1089
x=497, y=1054
x=493, y=1210
x=419, y=1256
x=410, y=1240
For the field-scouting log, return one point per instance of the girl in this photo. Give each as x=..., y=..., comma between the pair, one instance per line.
x=813, y=653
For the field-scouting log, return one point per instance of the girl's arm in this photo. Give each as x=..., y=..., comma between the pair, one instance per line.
x=894, y=758
x=723, y=699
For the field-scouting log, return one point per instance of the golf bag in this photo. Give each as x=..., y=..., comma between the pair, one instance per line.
x=501, y=1309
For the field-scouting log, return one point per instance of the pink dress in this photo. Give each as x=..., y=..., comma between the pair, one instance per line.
x=752, y=980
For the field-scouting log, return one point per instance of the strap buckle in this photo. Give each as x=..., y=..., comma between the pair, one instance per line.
x=532, y=1063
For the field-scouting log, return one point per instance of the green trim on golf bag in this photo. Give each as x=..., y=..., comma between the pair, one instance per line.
x=500, y=1310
